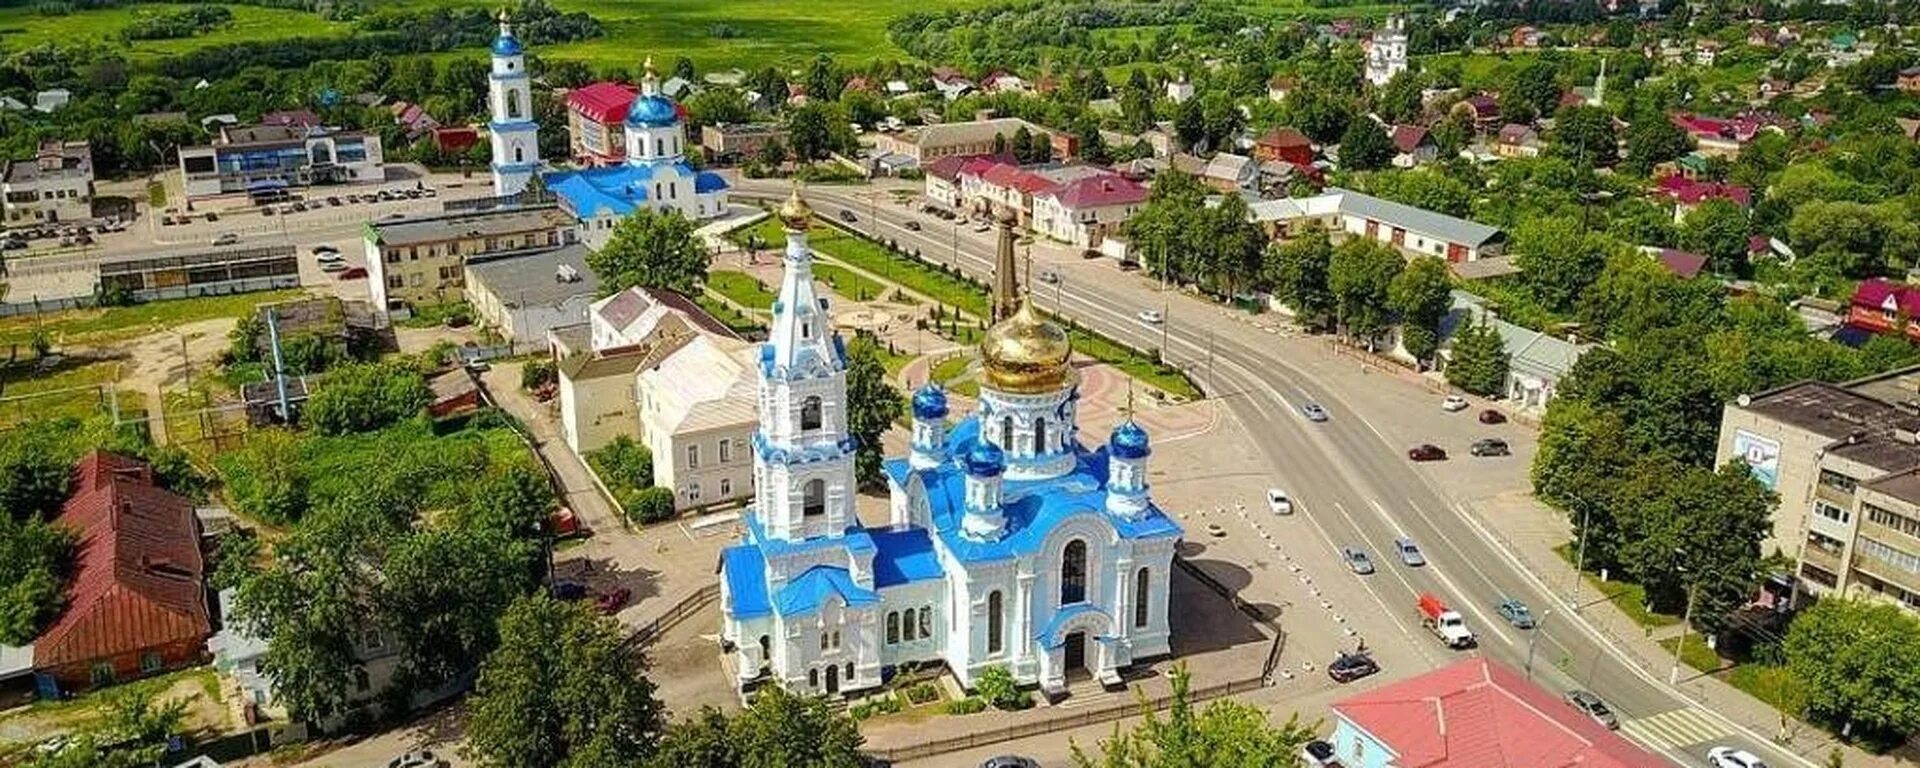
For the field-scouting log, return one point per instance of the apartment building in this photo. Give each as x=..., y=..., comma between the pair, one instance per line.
x=56, y=184
x=422, y=261
x=1845, y=461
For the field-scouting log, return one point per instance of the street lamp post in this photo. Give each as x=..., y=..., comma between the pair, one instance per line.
x=1686, y=621
x=1534, y=639
x=1580, y=548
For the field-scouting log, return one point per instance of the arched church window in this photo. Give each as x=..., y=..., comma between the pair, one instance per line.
x=519, y=155
x=813, y=498
x=926, y=622
x=893, y=628
x=994, y=622
x=1073, y=573
x=513, y=105
x=659, y=147
x=1140, y=581
x=810, y=413
x=1039, y=435
x=1006, y=433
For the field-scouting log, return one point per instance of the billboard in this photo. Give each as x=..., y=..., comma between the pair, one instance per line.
x=1762, y=456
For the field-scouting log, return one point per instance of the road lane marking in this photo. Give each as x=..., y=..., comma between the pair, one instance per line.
x=1673, y=729
x=1462, y=598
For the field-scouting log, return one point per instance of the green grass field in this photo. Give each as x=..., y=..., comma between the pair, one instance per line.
x=741, y=288
x=22, y=27
x=98, y=326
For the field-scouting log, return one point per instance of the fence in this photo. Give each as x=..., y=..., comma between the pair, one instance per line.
x=687, y=606
x=1053, y=725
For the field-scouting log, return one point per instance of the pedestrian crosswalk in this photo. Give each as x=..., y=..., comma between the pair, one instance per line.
x=1672, y=729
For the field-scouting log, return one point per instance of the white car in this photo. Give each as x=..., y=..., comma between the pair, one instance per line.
x=333, y=266
x=1151, y=316
x=1453, y=404
x=1728, y=757
x=227, y=238
x=1279, y=501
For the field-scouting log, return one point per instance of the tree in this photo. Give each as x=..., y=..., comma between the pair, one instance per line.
x=1166, y=231
x=683, y=68
x=1584, y=135
x=1317, y=112
x=1858, y=664
x=651, y=504
x=1225, y=734
x=1717, y=229
x=1453, y=133
x=1479, y=361
x=1231, y=260
x=1531, y=92
x=1364, y=146
x=1557, y=260
x=1297, y=270
x=777, y=729
x=817, y=129
x=267, y=479
x=134, y=734
x=364, y=397
x=997, y=687
x=33, y=553
x=1690, y=528
x=651, y=249
x=1652, y=140
x=451, y=584
x=716, y=105
x=1399, y=100
x=1358, y=274
x=1421, y=294
x=562, y=689
x=35, y=471
x=872, y=406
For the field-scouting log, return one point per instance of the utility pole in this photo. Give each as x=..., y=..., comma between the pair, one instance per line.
x=1580, y=557
x=1673, y=675
x=1533, y=639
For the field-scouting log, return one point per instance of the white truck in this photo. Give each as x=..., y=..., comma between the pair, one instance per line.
x=1445, y=623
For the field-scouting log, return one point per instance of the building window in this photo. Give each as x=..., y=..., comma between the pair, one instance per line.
x=848, y=677
x=513, y=102
x=1836, y=481
x=906, y=627
x=813, y=498
x=1837, y=514
x=360, y=681
x=836, y=639
x=101, y=674
x=693, y=457
x=893, y=628
x=810, y=413
x=726, y=487
x=1039, y=435
x=1140, y=597
x=693, y=491
x=993, y=622
x=726, y=450
x=823, y=641
x=1888, y=518
x=149, y=662
x=1006, y=433
x=926, y=621
x=1073, y=573
x=1896, y=558
x=813, y=678
x=519, y=155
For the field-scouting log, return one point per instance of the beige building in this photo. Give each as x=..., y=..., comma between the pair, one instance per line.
x=1845, y=461
x=423, y=261
x=740, y=141
x=55, y=185
x=653, y=366
x=929, y=143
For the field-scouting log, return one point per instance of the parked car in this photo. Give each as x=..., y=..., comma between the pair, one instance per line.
x=226, y=238
x=1318, y=754
x=324, y=248
x=1313, y=412
x=1049, y=276
x=1010, y=761
x=1357, y=560
x=335, y=265
x=1491, y=416
x=1279, y=501
x=1730, y=757
x=353, y=273
x=1426, y=452
x=418, y=758
x=330, y=257
x=1348, y=667
x=14, y=244
x=1491, y=446
x=982, y=227
x=913, y=226
x=1453, y=404
x=1593, y=707
x=1516, y=613
x=569, y=590
x=1151, y=316
x=847, y=216
x=1409, y=552
x=611, y=602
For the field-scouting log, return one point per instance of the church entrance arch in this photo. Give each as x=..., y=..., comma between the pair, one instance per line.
x=833, y=679
x=1075, y=653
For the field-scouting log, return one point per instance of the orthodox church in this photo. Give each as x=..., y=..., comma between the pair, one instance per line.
x=655, y=174
x=1387, y=52
x=1010, y=543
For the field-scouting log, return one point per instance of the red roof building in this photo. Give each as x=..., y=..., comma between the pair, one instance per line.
x=1286, y=145
x=1883, y=306
x=1476, y=713
x=1688, y=194
x=1682, y=264
x=596, y=116
x=135, y=604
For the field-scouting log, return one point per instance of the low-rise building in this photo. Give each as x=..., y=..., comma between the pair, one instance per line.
x=1413, y=146
x=206, y=272
x=265, y=161
x=523, y=297
x=1516, y=140
x=734, y=142
x=596, y=133
x=54, y=185
x=1536, y=361
x=1879, y=305
x=1416, y=230
x=1474, y=713
x=422, y=261
x=975, y=137
x=1844, y=460
x=1909, y=80
x=1088, y=209
x=1689, y=193
x=1225, y=171
x=1284, y=144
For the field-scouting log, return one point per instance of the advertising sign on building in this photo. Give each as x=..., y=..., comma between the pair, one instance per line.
x=1762, y=456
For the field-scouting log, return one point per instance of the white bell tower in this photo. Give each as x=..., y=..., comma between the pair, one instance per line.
x=515, y=136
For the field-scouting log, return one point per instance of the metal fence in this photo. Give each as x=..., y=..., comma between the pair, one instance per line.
x=1095, y=716
x=689, y=605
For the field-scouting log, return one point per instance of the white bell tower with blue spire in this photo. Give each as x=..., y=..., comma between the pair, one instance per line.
x=515, y=136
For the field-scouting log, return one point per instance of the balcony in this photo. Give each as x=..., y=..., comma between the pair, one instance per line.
x=1835, y=496
x=1821, y=557
x=1885, y=571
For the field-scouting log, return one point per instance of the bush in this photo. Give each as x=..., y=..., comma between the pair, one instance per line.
x=650, y=505
x=538, y=373
x=921, y=694
x=997, y=686
x=966, y=706
x=365, y=397
x=623, y=464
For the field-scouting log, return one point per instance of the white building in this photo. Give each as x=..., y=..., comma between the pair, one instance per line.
x=1415, y=231
x=523, y=297
x=1086, y=210
x=1179, y=90
x=514, y=134
x=56, y=184
x=1010, y=544
x=1387, y=52
x=265, y=161
x=655, y=174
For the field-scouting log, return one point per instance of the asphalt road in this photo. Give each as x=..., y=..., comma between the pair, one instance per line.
x=1353, y=485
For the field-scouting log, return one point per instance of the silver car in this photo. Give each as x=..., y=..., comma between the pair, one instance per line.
x=1357, y=560
x=1409, y=552
x=1313, y=412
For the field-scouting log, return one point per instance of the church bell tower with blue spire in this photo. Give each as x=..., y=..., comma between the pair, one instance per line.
x=516, y=137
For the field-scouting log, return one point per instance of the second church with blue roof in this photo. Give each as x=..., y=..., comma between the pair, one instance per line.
x=1010, y=543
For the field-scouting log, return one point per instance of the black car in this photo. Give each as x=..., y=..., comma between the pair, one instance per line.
x=1348, y=667
x=1426, y=452
x=847, y=216
x=1491, y=446
x=1491, y=416
x=913, y=225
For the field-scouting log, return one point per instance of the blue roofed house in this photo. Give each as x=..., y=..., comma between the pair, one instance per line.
x=1009, y=542
x=655, y=174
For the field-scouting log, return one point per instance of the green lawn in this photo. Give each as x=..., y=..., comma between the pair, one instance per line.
x=739, y=322
x=741, y=288
x=846, y=282
x=951, y=368
x=96, y=326
x=1695, y=654
x=23, y=27
x=71, y=389
x=1630, y=598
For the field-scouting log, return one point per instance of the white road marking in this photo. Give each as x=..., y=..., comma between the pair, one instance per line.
x=1673, y=729
x=1460, y=599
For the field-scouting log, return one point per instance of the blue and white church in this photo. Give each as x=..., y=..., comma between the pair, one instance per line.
x=514, y=136
x=655, y=175
x=1010, y=543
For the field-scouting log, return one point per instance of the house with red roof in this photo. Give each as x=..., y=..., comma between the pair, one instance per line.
x=1517, y=140
x=1688, y=194
x=1882, y=306
x=1413, y=146
x=1474, y=713
x=1087, y=209
x=1685, y=265
x=1284, y=144
x=942, y=175
x=1003, y=185
x=596, y=116
x=136, y=604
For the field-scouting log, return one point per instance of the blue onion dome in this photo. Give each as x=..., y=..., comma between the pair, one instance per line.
x=652, y=110
x=985, y=459
x=506, y=45
x=1129, y=441
x=930, y=403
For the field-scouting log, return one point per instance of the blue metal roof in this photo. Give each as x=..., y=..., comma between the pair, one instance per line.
x=905, y=556
x=746, y=574
x=930, y=402
x=506, y=45
x=810, y=590
x=652, y=111
x=1129, y=441
x=620, y=188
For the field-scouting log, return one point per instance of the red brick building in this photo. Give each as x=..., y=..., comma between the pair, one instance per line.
x=136, y=605
x=1285, y=145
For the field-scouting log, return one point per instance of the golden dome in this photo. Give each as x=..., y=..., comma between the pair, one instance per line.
x=1026, y=354
x=795, y=211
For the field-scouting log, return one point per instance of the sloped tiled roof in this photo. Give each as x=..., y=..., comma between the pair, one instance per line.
x=603, y=102
x=137, y=569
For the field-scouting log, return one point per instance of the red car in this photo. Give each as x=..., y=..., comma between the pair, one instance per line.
x=612, y=601
x=1426, y=452
x=1491, y=416
x=353, y=273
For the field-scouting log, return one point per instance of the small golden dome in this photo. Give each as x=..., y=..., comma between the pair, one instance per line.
x=795, y=211
x=1026, y=354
